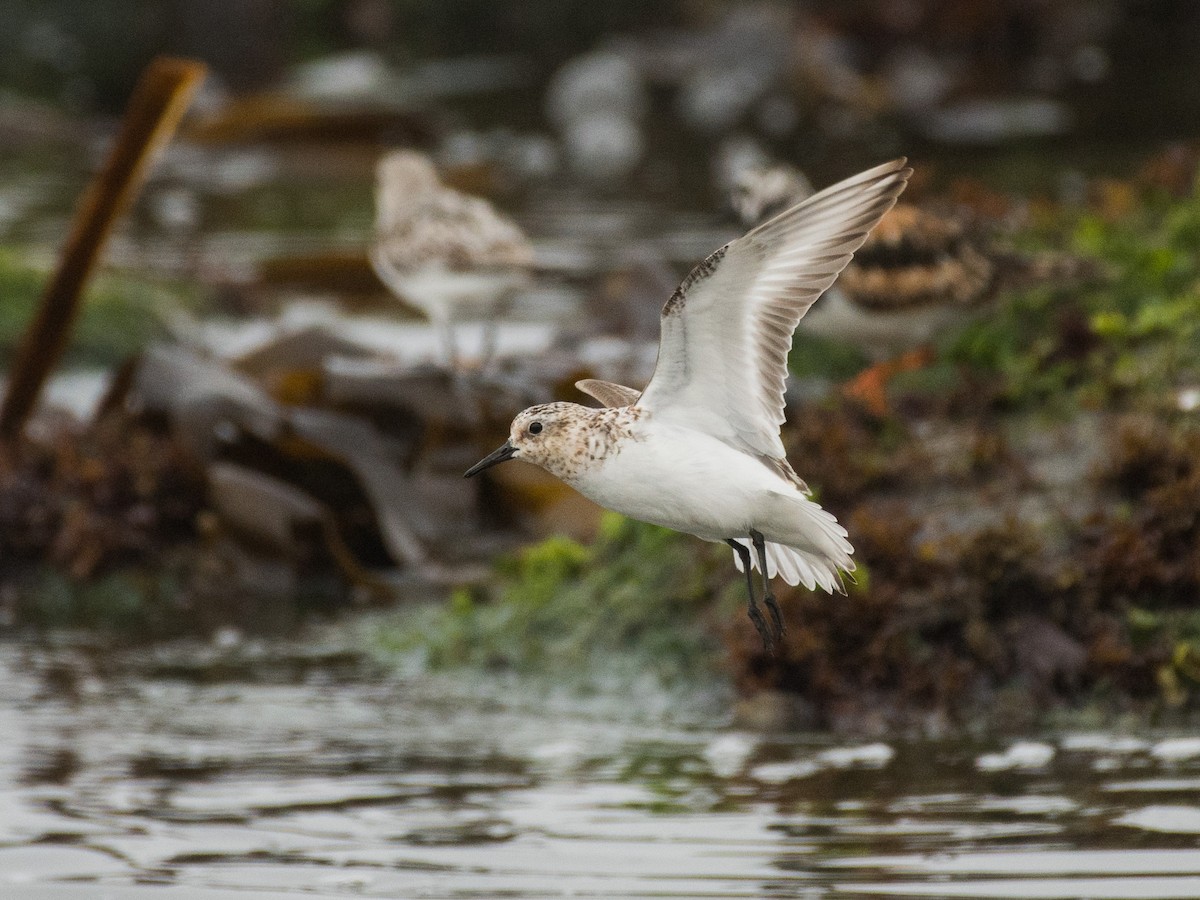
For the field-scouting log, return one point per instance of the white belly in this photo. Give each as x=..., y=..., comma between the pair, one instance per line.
x=685, y=480
x=448, y=295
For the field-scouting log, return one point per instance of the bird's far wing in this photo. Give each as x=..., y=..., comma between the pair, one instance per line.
x=727, y=329
x=609, y=394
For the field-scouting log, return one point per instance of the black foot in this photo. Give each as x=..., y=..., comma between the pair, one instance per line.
x=760, y=545
x=756, y=616
x=776, y=616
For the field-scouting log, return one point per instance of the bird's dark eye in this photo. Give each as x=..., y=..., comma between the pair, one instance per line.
x=535, y=428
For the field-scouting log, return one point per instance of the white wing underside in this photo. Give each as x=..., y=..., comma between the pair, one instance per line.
x=727, y=330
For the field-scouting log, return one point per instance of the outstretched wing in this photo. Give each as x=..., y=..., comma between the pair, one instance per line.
x=727, y=329
x=609, y=394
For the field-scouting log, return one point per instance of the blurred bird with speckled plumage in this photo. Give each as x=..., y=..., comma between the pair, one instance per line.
x=450, y=255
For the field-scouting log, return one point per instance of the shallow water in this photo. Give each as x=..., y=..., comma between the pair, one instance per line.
x=307, y=779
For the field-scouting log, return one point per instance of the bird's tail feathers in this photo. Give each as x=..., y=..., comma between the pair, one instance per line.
x=799, y=567
x=813, y=551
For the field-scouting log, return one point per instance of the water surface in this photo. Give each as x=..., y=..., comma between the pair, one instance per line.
x=314, y=779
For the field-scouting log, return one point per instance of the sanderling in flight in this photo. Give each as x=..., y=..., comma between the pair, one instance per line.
x=699, y=449
x=919, y=272
x=451, y=255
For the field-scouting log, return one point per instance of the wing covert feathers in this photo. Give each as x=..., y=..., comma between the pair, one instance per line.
x=609, y=394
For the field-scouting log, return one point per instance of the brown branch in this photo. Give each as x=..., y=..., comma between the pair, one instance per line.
x=159, y=100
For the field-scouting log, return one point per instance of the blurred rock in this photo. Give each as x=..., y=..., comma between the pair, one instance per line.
x=603, y=147
x=996, y=121
x=203, y=400
x=402, y=520
x=266, y=510
x=739, y=61
x=917, y=80
x=597, y=102
x=602, y=82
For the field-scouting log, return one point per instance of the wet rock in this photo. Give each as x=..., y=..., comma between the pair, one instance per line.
x=267, y=510
x=203, y=399
x=603, y=81
x=402, y=521
x=1049, y=657
x=602, y=147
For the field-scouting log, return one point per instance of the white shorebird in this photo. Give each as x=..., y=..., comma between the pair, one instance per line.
x=451, y=255
x=699, y=449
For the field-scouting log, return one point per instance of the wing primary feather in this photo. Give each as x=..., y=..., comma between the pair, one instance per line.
x=727, y=329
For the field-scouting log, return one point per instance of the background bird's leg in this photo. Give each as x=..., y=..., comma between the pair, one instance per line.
x=462, y=382
x=755, y=613
x=491, y=327
x=760, y=545
x=487, y=352
x=445, y=330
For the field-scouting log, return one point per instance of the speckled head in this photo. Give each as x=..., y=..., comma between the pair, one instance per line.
x=563, y=438
x=402, y=177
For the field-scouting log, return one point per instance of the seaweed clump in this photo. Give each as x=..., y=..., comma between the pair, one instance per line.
x=90, y=524
x=1003, y=615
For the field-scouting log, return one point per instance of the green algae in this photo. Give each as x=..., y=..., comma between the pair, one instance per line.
x=131, y=601
x=639, y=599
x=1130, y=333
x=121, y=312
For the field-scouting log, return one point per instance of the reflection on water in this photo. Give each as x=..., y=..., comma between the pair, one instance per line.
x=324, y=784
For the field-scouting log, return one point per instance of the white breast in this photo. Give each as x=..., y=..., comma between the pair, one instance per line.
x=681, y=479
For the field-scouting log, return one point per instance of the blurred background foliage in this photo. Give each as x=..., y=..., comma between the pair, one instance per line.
x=87, y=54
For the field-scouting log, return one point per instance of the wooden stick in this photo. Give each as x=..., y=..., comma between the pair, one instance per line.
x=159, y=100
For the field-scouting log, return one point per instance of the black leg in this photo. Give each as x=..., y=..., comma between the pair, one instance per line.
x=760, y=545
x=756, y=616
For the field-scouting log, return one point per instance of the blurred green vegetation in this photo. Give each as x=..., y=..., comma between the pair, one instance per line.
x=1179, y=676
x=121, y=312
x=638, y=600
x=1133, y=333
x=815, y=357
x=86, y=54
x=131, y=601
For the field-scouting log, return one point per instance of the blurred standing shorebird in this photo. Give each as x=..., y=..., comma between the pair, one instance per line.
x=451, y=255
x=699, y=449
x=918, y=273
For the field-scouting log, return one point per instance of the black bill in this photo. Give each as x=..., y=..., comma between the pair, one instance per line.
x=505, y=452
